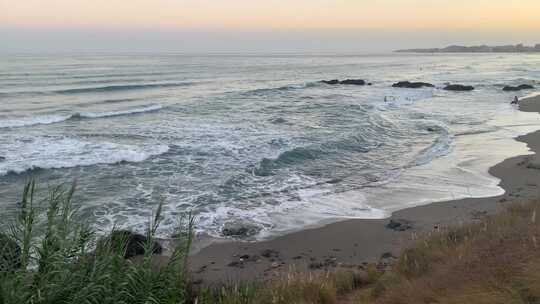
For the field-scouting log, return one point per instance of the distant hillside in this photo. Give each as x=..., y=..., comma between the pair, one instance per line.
x=518, y=48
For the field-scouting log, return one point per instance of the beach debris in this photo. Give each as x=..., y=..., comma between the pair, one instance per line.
x=327, y=263
x=533, y=165
x=518, y=88
x=269, y=253
x=237, y=264
x=201, y=269
x=412, y=85
x=249, y=258
x=316, y=265
x=458, y=87
x=399, y=225
x=478, y=215
x=388, y=255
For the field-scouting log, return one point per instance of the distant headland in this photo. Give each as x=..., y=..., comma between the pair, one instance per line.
x=518, y=48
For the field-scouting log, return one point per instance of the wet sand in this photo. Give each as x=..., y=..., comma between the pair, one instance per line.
x=353, y=243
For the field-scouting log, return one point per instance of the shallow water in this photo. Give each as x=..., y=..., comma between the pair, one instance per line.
x=257, y=139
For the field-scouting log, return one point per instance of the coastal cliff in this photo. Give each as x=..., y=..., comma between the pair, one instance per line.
x=518, y=48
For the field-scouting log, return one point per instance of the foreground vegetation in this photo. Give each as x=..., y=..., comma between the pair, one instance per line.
x=65, y=263
x=494, y=261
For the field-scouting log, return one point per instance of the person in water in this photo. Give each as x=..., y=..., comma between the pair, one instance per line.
x=515, y=101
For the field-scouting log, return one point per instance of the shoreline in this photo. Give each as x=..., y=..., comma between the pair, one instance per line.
x=356, y=242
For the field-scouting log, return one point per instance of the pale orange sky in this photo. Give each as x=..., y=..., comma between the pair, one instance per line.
x=272, y=14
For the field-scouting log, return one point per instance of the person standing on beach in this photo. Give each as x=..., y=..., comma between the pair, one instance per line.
x=515, y=101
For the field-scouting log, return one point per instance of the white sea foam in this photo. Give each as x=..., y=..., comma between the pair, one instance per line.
x=24, y=154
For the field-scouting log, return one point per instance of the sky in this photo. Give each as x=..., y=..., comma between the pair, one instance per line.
x=263, y=25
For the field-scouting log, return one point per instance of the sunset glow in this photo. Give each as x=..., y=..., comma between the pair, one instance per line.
x=271, y=14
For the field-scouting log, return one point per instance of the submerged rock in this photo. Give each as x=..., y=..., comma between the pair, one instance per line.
x=278, y=120
x=399, y=225
x=10, y=253
x=412, y=85
x=353, y=81
x=134, y=243
x=239, y=229
x=458, y=87
x=518, y=88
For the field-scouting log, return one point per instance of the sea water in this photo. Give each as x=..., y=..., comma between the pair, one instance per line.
x=257, y=140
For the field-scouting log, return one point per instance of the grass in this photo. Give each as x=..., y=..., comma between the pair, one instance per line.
x=65, y=263
x=320, y=287
x=494, y=261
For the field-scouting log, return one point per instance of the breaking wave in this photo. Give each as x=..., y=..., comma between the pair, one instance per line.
x=23, y=155
x=51, y=119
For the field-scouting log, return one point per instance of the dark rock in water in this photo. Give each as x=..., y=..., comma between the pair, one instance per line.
x=2, y=158
x=346, y=81
x=134, y=243
x=333, y=81
x=518, y=88
x=369, y=83
x=10, y=254
x=239, y=229
x=353, y=81
x=334, y=181
x=458, y=87
x=412, y=85
x=399, y=225
x=278, y=120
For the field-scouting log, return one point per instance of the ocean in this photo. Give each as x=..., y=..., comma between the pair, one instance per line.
x=256, y=140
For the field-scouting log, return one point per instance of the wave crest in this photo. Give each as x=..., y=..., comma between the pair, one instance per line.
x=22, y=155
x=51, y=119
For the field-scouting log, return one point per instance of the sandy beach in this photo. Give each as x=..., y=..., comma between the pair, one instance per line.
x=354, y=243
